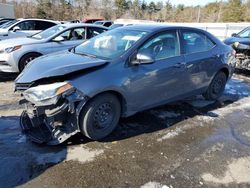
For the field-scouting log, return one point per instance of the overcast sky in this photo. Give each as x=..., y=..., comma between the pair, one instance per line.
x=187, y=2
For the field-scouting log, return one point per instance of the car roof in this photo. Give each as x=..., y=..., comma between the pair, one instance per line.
x=71, y=25
x=37, y=19
x=105, y=21
x=156, y=27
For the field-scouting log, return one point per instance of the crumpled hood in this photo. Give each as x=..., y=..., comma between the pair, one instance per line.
x=57, y=64
x=232, y=40
x=18, y=41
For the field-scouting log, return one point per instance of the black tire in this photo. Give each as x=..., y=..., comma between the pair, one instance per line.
x=26, y=59
x=216, y=87
x=100, y=116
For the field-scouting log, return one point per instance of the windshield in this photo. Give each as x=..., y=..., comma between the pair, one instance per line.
x=245, y=33
x=115, y=26
x=110, y=44
x=49, y=32
x=8, y=24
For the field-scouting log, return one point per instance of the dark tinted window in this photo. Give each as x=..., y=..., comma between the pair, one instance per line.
x=162, y=46
x=107, y=24
x=196, y=42
x=42, y=25
x=93, y=31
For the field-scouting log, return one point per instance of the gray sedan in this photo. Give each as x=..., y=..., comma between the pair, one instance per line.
x=16, y=53
x=119, y=73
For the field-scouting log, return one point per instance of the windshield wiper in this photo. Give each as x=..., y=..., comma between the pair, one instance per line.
x=84, y=54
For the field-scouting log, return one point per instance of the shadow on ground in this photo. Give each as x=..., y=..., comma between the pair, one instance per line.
x=7, y=76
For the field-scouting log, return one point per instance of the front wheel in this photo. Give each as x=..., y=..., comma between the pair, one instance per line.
x=100, y=116
x=216, y=87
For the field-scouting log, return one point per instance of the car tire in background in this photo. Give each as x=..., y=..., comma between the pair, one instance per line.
x=216, y=87
x=100, y=116
x=26, y=59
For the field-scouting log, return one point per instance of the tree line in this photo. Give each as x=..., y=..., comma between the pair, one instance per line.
x=162, y=11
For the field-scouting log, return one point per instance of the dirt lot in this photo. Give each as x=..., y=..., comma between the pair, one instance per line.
x=192, y=143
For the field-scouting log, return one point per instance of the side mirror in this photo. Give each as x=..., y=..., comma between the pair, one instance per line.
x=142, y=59
x=234, y=35
x=58, y=39
x=16, y=28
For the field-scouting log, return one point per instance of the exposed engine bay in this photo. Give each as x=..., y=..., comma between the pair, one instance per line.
x=55, y=119
x=242, y=55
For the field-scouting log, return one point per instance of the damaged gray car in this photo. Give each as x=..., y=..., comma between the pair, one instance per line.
x=117, y=74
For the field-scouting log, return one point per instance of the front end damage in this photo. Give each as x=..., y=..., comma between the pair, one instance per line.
x=242, y=55
x=54, y=121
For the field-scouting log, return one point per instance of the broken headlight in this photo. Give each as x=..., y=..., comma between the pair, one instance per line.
x=48, y=94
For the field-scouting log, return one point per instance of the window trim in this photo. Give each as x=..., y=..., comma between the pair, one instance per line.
x=181, y=31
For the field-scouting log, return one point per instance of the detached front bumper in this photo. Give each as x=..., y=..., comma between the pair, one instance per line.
x=53, y=125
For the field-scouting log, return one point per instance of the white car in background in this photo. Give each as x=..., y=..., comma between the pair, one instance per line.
x=24, y=27
x=16, y=53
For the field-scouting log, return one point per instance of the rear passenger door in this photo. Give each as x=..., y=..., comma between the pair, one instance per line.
x=200, y=58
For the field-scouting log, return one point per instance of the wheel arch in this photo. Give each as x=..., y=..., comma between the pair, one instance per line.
x=120, y=97
x=31, y=52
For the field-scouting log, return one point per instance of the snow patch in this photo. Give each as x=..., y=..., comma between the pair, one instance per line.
x=171, y=134
x=155, y=185
x=82, y=154
x=78, y=153
x=237, y=172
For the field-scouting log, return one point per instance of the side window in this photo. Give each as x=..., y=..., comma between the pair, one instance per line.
x=26, y=25
x=196, y=42
x=42, y=25
x=78, y=34
x=74, y=34
x=93, y=31
x=162, y=46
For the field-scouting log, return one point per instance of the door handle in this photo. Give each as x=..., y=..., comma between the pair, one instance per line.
x=179, y=65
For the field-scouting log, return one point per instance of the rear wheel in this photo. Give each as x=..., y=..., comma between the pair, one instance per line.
x=100, y=116
x=216, y=87
x=26, y=59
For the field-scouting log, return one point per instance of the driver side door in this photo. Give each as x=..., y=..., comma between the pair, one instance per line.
x=163, y=80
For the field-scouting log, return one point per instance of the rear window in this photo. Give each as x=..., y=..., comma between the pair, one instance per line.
x=196, y=42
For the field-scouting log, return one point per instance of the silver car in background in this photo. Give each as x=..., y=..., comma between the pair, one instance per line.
x=24, y=27
x=16, y=53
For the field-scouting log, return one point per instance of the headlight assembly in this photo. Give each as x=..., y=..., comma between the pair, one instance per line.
x=12, y=49
x=48, y=94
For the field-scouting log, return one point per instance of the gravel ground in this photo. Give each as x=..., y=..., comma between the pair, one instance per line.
x=192, y=143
